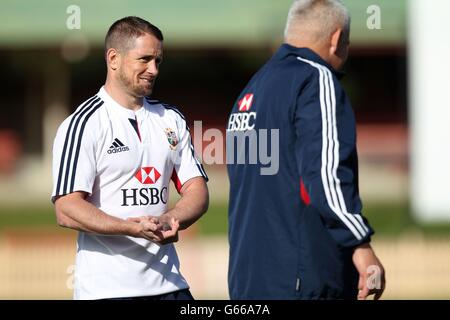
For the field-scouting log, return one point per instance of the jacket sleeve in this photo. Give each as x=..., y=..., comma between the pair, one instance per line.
x=327, y=157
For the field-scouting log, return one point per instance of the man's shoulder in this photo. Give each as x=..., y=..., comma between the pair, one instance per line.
x=291, y=69
x=165, y=110
x=87, y=109
x=314, y=69
x=84, y=115
x=314, y=75
x=92, y=103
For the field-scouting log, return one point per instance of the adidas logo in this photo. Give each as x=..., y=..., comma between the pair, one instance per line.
x=117, y=146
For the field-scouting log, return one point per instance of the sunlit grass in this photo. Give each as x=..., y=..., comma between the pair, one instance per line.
x=389, y=219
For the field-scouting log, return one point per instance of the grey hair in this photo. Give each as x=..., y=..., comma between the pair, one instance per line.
x=316, y=19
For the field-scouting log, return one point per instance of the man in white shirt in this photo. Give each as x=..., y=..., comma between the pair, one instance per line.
x=113, y=160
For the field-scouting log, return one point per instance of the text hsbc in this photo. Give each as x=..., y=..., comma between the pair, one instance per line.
x=143, y=196
x=241, y=121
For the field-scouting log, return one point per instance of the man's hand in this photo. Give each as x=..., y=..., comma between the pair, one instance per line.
x=168, y=229
x=148, y=228
x=193, y=203
x=371, y=272
x=162, y=229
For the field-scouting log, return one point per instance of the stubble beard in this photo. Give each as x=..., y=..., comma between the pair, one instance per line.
x=135, y=90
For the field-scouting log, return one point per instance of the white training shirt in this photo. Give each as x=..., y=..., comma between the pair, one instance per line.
x=124, y=160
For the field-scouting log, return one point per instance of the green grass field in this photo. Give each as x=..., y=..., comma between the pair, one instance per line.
x=387, y=219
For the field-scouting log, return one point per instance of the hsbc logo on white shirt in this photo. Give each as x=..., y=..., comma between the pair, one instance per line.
x=147, y=195
x=243, y=120
x=147, y=175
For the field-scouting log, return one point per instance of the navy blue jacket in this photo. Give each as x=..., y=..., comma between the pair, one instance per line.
x=292, y=233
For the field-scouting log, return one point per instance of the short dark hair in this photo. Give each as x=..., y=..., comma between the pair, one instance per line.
x=124, y=31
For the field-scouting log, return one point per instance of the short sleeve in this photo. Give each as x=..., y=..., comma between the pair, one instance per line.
x=186, y=163
x=74, y=150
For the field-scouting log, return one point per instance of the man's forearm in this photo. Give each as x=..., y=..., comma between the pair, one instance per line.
x=76, y=213
x=193, y=203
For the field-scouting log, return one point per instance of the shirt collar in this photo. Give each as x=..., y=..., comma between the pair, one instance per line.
x=130, y=113
x=286, y=50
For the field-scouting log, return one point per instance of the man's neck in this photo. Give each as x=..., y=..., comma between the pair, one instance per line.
x=122, y=97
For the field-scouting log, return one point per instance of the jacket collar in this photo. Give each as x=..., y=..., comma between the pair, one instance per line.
x=286, y=50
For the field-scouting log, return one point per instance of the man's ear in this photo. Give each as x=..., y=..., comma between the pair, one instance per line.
x=335, y=38
x=112, y=58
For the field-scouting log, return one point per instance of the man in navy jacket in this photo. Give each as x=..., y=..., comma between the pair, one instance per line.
x=296, y=231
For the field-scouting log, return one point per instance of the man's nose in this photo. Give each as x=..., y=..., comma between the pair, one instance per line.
x=152, y=68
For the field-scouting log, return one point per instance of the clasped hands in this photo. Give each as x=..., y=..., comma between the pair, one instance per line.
x=161, y=230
